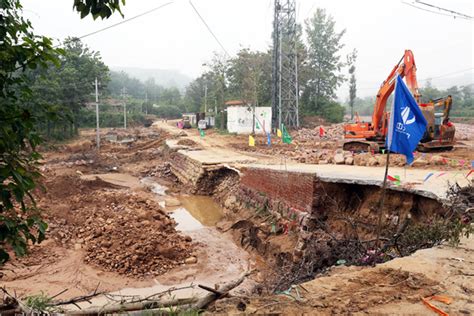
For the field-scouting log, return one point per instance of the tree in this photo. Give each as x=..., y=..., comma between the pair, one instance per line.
x=324, y=63
x=79, y=68
x=193, y=95
x=463, y=103
x=351, y=59
x=69, y=86
x=217, y=85
x=21, y=49
x=120, y=80
x=249, y=77
x=429, y=92
x=98, y=8
x=170, y=96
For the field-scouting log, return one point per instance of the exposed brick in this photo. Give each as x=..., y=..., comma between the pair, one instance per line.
x=292, y=188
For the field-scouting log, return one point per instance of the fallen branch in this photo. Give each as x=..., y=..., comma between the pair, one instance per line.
x=393, y=241
x=210, y=289
x=78, y=299
x=21, y=306
x=224, y=290
x=133, y=306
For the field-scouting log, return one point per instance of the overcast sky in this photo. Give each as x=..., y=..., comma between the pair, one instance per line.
x=174, y=37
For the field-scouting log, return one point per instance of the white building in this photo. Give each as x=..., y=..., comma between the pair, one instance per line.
x=240, y=118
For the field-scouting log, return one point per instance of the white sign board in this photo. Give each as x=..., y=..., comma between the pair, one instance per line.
x=240, y=118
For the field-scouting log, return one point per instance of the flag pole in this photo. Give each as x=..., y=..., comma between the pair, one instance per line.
x=382, y=200
x=388, y=146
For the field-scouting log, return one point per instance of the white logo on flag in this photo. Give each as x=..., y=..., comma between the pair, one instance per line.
x=405, y=115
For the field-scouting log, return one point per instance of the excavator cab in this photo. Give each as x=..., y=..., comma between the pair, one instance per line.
x=439, y=130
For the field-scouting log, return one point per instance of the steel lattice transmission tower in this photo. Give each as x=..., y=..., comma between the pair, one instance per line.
x=284, y=66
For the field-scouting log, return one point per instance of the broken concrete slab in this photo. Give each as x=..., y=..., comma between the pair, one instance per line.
x=412, y=180
x=217, y=156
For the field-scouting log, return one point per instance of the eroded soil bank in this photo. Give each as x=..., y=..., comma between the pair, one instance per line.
x=132, y=220
x=303, y=227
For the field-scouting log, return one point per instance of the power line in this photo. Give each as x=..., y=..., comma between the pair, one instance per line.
x=127, y=20
x=426, y=79
x=445, y=75
x=443, y=9
x=209, y=29
x=457, y=15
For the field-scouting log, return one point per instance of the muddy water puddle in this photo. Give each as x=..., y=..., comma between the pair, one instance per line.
x=184, y=220
x=154, y=186
x=196, y=212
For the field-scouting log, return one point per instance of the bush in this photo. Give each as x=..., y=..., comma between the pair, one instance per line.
x=333, y=112
x=166, y=111
x=86, y=118
x=330, y=110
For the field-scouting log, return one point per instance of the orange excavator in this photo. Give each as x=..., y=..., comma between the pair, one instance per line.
x=366, y=137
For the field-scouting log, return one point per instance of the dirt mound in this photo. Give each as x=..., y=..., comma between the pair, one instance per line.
x=187, y=142
x=120, y=230
x=79, y=146
x=69, y=185
x=134, y=237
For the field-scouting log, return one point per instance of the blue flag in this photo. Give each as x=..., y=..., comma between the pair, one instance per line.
x=407, y=124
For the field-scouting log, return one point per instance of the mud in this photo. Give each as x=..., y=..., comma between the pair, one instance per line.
x=127, y=219
x=115, y=225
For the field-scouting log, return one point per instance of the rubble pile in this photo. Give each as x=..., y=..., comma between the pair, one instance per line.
x=464, y=131
x=331, y=132
x=311, y=148
x=119, y=230
x=187, y=142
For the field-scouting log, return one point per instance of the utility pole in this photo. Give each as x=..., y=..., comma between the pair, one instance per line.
x=146, y=103
x=124, y=109
x=97, y=113
x=205, y=98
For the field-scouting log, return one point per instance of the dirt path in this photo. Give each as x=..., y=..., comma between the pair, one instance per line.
x=218, y=147
x=309, y=148
x=430, y=181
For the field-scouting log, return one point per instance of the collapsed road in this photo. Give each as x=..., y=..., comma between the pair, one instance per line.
x=171, y=209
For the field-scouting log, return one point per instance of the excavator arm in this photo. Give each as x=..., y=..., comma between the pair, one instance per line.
x=371, y=136
x=376, y=130
x=406, y=68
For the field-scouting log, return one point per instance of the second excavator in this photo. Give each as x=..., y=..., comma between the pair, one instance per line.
x=440, y=131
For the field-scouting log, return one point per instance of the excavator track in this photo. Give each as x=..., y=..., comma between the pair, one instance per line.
x=361, y=146
x=434, y=146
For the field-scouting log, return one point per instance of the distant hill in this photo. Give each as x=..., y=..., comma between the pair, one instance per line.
x=164, y=77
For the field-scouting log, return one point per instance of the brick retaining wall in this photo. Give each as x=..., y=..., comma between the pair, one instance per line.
x=292, y=188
